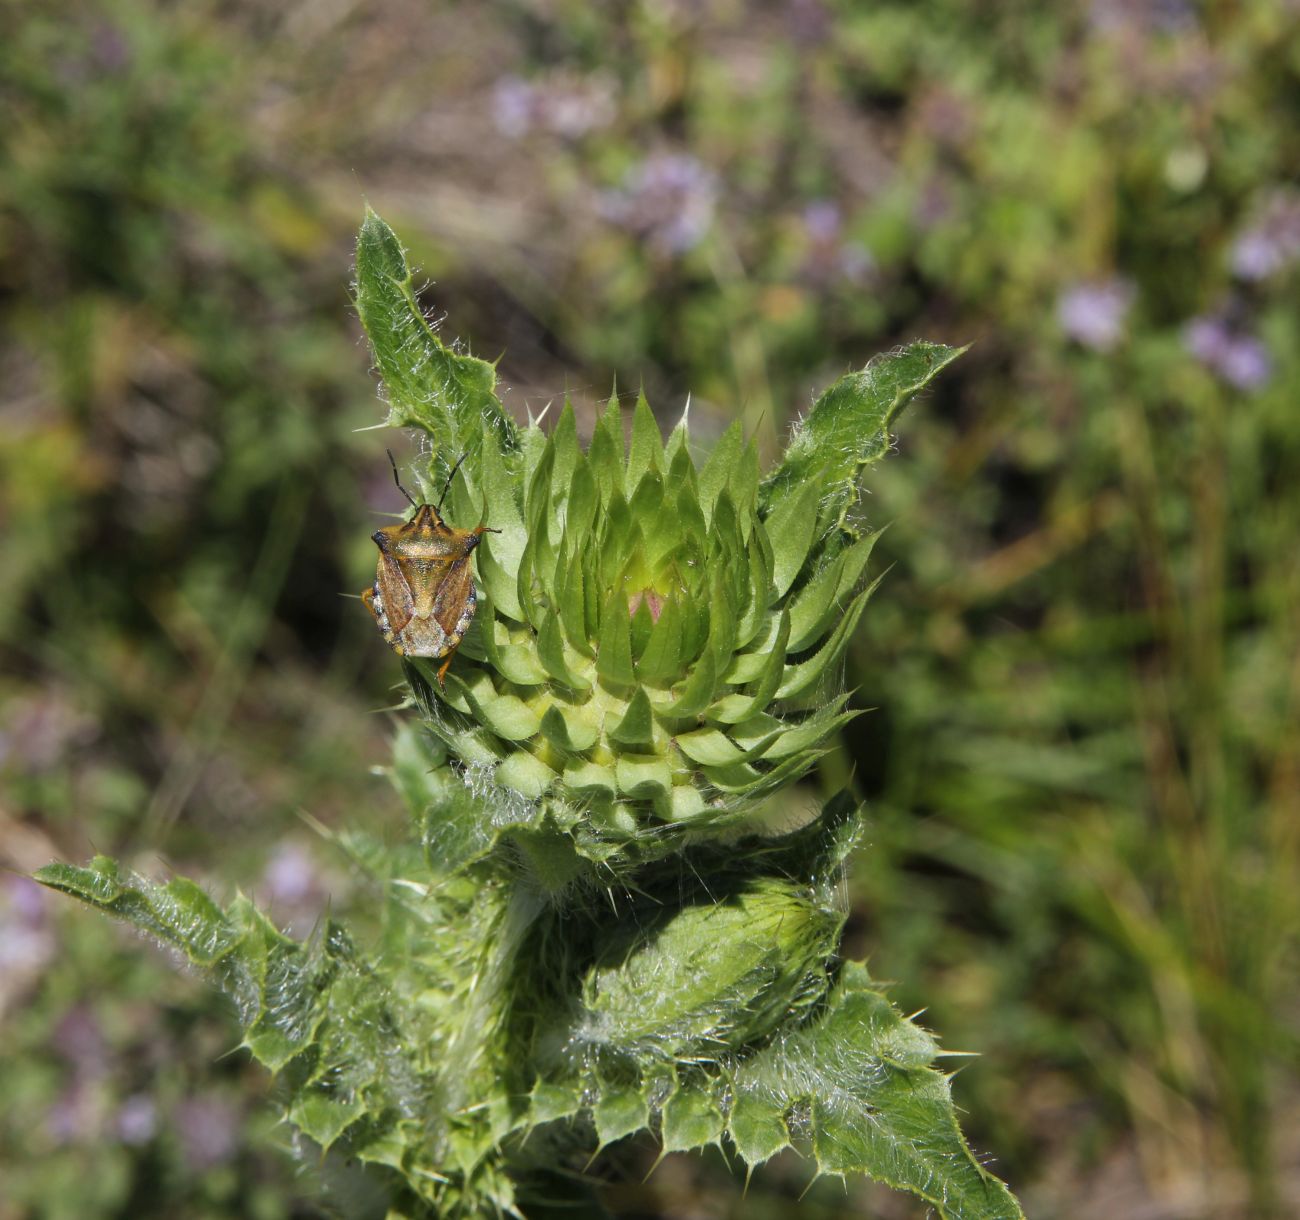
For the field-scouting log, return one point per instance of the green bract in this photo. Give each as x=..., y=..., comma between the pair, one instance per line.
x=585, y=942
x=656, y=643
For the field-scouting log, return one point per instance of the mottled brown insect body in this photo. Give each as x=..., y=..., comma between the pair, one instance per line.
x=423, y=598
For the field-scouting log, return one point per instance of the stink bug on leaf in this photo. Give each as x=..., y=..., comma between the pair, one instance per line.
x=423, y=598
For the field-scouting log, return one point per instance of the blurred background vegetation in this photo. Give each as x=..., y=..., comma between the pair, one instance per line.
x=1083, y=762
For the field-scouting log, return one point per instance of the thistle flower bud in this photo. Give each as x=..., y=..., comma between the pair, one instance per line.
x=647, y=642
x=708, y=978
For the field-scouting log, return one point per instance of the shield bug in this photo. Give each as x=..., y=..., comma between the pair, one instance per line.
x=423, y=598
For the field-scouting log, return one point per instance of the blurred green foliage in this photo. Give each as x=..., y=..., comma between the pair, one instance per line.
x=1083, y=760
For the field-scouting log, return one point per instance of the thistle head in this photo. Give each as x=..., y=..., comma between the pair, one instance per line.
x=657, y=640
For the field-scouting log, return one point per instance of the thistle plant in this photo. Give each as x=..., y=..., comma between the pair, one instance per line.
x=591, y=933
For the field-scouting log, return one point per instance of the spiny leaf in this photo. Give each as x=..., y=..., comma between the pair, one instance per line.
x=757, y=1124
x=848, y=426
x=861, y=1076
x=450, y=396
x=324, y=1118
x=179, y=913
x=311, y=1011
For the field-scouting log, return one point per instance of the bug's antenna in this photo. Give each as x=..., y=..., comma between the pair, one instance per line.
x=398, y=480
x=447, y=485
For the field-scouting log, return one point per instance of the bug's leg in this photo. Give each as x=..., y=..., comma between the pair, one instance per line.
x=368, y=596
x=446, y=665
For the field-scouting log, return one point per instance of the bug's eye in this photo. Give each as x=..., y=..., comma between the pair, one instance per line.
x=377, y=538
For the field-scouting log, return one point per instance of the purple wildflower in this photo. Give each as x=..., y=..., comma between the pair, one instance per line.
x=1272, y=242
x=71, y=1118
x=1246, y=363
x=1240, y=359
x=821, y=220
x=668, y=198
x=1255, y=256
x=514, y=106
x=26, y=941
x=137, y=1119
x=1093, y=314
x=295, y=888
x=572, y=108
x=1166, y=16
x=1206, y=338
x=79, y=1038
x=110, y=49
x=290, y=875
x=569, y=107
x=26, y=901
x=41, y=729
x=828, y=255
x=855, y=262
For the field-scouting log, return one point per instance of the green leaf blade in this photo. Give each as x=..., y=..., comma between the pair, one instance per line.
x=848, y=426
x=861, y=1074
x=450, y=396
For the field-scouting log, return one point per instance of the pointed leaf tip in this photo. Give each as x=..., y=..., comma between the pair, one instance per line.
x=449, y=395
x=848, y=426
